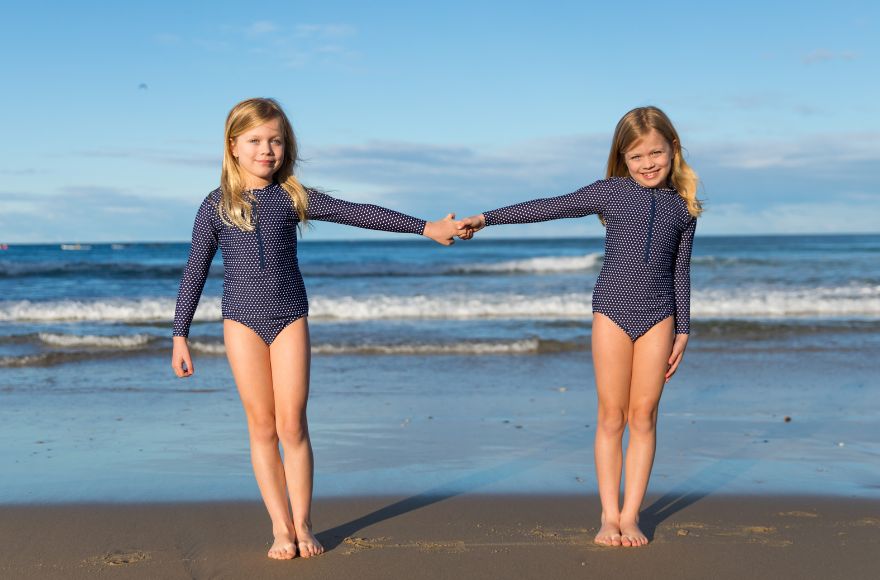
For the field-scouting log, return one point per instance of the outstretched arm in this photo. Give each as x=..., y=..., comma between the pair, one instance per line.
x=585, y=201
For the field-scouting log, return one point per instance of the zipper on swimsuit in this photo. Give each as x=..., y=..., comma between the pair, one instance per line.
x=260, y=251
x=650, y=227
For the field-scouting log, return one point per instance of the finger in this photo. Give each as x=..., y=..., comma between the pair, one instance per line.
x=190, y=369
x=672, y=368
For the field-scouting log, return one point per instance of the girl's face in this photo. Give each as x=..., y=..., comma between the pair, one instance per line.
x=260, y=152
x=649, y=160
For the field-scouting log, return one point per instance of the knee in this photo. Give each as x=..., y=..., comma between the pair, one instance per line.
x=643, y=419
x=612, y=421
x=262, y=429
x=292, y=431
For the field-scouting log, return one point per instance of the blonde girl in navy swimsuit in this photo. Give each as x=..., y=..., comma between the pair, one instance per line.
x=253, y=219
x=641, y=302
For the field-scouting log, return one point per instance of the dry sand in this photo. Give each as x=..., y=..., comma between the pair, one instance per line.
x=457, y=537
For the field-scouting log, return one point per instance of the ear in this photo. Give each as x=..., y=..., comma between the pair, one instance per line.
x=233, y=148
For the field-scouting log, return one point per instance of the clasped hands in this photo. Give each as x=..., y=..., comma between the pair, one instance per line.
x=444, y=231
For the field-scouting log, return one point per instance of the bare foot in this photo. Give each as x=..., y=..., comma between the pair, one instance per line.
x=631, y=534
x=307, y=543
x=283, y=548
x=609, y=533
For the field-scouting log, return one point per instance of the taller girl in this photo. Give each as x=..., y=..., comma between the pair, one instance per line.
x=253, y=217
x=641, y=302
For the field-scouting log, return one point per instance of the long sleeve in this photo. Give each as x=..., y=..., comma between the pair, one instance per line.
x=201, y=253
x=682, y=279
x=585, y=201
x=363, y=215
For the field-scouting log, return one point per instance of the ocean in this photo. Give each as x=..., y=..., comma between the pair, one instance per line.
x=439, y=368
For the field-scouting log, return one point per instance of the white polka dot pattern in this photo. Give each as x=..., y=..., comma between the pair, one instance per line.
x=262, y=285
x=645, y=276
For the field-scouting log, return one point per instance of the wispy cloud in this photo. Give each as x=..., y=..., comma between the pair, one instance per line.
x=816, y=151
x=260, y=28
x=824, y=55
x=163, y=156
x=88, y=213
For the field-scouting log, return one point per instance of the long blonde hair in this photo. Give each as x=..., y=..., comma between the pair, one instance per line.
x=235, y=206
x=635, y=125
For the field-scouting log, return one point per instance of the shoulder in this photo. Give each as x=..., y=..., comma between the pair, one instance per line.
x=210, y=206
x=608, y=188
x=213, y=198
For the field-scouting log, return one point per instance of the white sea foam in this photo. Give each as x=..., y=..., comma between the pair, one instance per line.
x=551, y=264
x=844, y=301
x=527, y=346
x=112, y=310
x=123, y=341
x=208, y=347
x=451, y=307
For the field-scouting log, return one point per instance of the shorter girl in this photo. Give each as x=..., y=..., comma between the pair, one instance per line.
x=641, y=302
x=253, y=218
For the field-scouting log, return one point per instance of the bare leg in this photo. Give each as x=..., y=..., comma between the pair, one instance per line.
x=650, y=356
x=291, y=354
x=612, y=361
x=252, y=369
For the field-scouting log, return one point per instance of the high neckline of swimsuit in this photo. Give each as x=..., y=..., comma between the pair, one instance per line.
x=653, y=189
x=266, y=188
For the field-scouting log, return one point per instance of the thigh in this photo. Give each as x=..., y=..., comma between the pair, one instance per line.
x=290, y=354
x=650, y=360
x=251, y=368
x=612, y=361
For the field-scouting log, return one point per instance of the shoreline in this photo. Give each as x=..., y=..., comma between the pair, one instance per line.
x=694, y=535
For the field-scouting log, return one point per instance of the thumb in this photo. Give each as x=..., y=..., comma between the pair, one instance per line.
x=450, y=216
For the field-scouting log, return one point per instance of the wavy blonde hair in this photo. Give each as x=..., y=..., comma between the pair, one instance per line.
x=635, y=125
x=235, y=206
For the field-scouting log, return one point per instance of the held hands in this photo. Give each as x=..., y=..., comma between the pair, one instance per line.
x=443, y=231
x=469, y=226
x=181, y=362
x=681, y=341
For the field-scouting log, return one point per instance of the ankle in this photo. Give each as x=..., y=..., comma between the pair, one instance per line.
x=610, y=518
x=282, y=530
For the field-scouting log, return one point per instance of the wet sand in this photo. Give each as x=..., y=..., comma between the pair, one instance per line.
x=455, y=536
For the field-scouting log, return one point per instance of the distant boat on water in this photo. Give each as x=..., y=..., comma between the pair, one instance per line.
x=76, y=247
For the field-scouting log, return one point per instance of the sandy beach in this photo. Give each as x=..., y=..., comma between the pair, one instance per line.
x=463, y=536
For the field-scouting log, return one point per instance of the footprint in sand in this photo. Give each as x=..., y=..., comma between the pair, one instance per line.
x=798, y=514
x=356, y=544
x=121, y=557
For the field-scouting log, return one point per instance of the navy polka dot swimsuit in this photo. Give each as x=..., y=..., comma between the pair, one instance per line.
x=646, y=273
x=262, y=285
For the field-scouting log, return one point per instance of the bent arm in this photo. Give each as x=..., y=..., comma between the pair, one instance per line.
x=682, y=279
x=587, y=200
x=362, y=215
x=201, y=253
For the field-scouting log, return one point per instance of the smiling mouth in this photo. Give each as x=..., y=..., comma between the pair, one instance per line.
x=650, y=175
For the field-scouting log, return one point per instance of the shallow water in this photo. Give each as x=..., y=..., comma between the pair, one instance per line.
x=441, y=370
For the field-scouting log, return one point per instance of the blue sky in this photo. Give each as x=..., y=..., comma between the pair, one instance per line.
x=113, y=115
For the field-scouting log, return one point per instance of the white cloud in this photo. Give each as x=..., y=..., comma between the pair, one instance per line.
x=824, y=55
x=260, y=28
x=812, y=151
x=792, y=218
